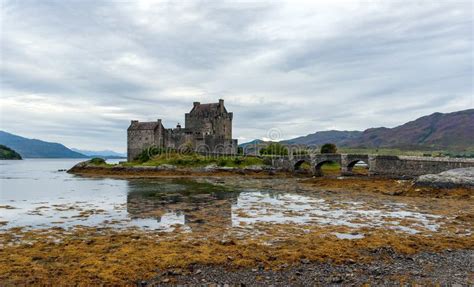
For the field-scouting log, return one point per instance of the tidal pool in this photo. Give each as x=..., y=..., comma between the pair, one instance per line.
x=38, y=193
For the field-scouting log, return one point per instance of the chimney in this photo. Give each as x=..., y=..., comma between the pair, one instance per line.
x=196, y=104
x=221, y=105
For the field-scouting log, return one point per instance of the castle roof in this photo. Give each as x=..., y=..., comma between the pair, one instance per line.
x=136, y=125
x=204, y=109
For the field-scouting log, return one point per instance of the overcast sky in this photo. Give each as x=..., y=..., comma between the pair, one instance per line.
x=77, y=72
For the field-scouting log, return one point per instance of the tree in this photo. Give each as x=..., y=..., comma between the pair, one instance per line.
x=328, y=148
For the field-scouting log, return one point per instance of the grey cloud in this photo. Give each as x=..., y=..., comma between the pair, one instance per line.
x=299, y=67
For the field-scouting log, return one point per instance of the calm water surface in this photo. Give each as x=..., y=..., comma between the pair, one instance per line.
x=38, y=193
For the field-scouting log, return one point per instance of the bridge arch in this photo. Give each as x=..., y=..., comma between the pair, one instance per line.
x=362, y=170
x=350, y=161
x=318, y=171
x=302, y=165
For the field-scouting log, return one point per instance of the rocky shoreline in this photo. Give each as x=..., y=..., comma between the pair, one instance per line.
x=451, y=179
x=388, y=269
x=85, y=168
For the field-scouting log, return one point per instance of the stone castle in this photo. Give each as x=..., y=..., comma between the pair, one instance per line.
x=208, y=128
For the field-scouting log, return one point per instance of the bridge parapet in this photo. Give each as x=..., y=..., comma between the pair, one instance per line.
x=437, y=159
x=411, y=166
x=385, y=165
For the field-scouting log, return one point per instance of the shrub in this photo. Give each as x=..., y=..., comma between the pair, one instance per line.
x=153, y=151
x=146, y=154
x=222, y=162
x=329, y=148
x=187, y=148
x=97, y=161
x=238, y=161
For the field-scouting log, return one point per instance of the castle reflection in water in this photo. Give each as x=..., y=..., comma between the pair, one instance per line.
x=181, y=202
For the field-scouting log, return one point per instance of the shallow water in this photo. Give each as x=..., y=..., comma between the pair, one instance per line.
x=38, y=193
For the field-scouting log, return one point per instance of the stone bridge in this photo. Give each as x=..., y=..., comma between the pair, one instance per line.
x=392, y=166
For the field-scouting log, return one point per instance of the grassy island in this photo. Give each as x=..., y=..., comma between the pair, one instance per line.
x=174, y=164
x=8, y=153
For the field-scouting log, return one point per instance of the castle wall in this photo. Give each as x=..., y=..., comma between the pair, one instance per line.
x=219, y=126
x=137, y=141
x=223, y=126
x=177, y=138
x=141, y=135
x=199, y=125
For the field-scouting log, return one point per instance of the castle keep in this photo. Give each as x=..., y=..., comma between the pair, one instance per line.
x=208, y=128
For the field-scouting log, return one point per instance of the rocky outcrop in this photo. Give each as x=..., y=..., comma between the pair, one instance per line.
x=460, y=177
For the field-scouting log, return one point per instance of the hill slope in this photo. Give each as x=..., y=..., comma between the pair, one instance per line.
x=8, y=153
x=33, y=148
x=320, y=138
x=452, y=131
x=449, y=131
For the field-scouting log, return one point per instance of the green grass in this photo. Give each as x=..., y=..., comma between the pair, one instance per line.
x=331, y=168
x=97, y=161
x=197, y=160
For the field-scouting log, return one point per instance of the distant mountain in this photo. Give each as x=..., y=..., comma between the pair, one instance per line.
x=33, y=148
x=254, y=142
x=8, y=153
x=320, y=138
x=450, y=131
x=100, y=153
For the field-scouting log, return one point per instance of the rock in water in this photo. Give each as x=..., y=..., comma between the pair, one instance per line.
x=459, y=177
